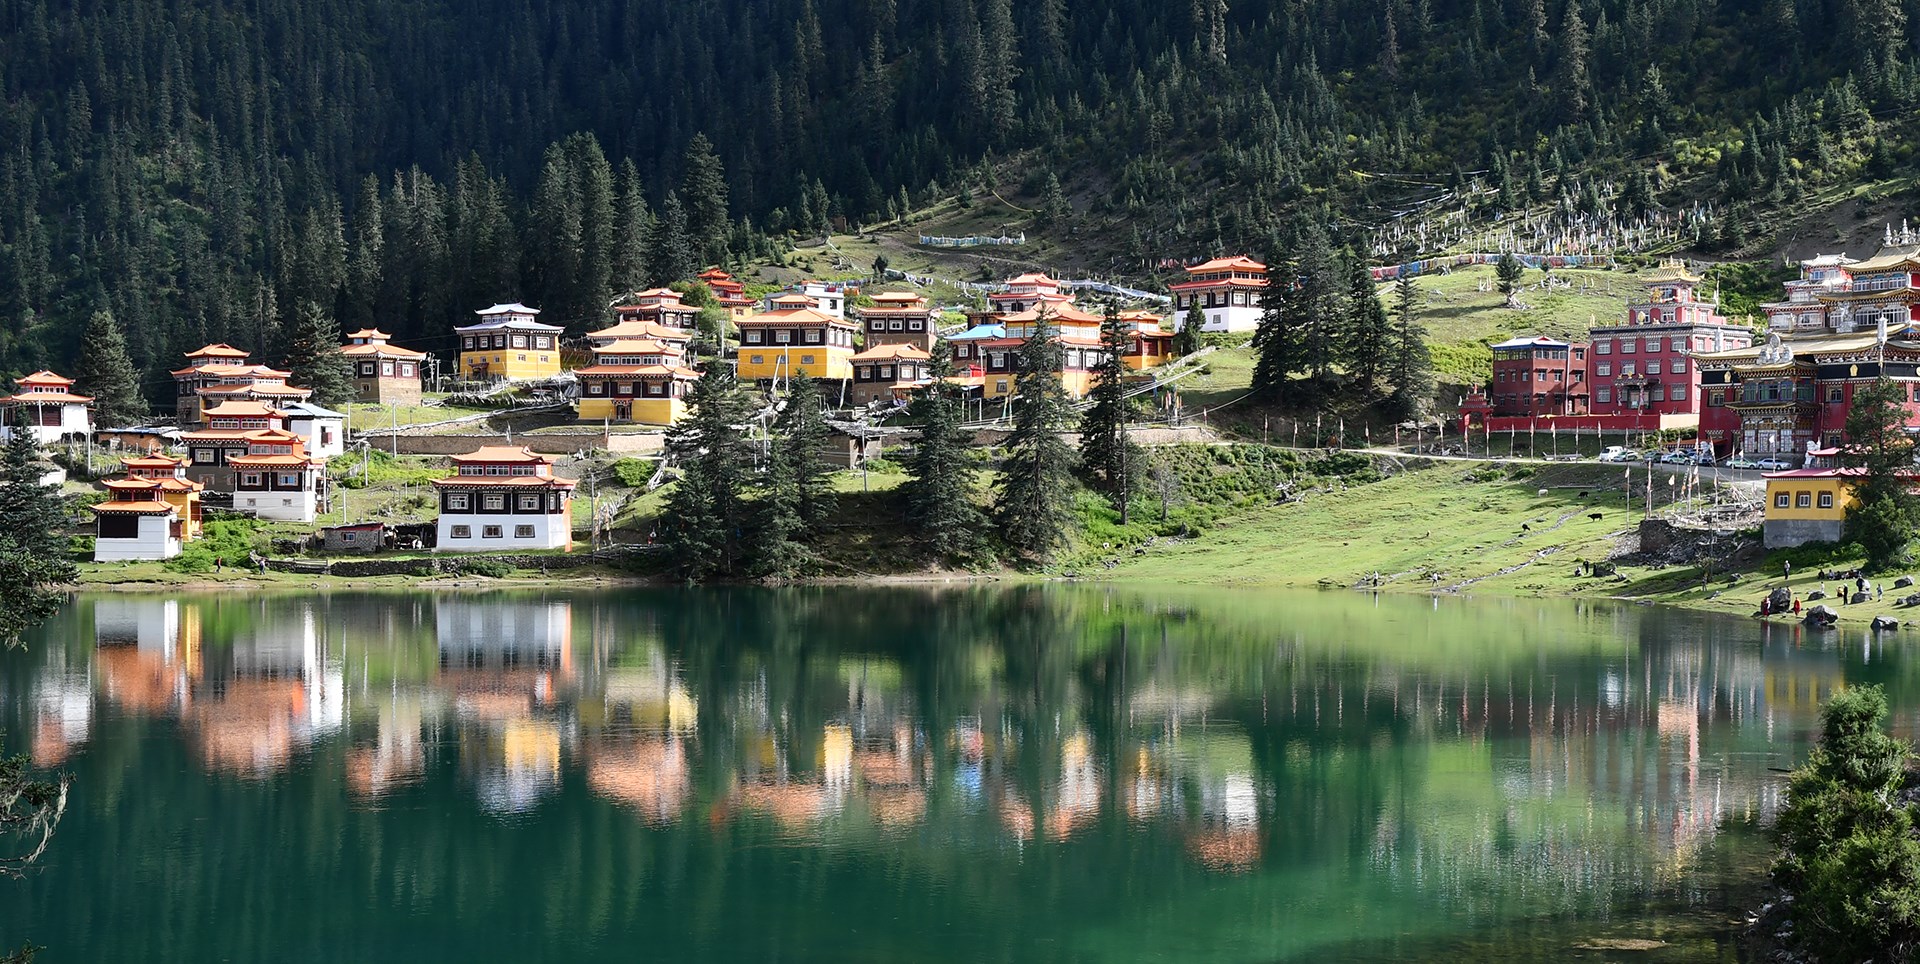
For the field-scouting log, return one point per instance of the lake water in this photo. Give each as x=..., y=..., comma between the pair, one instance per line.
x=1035, y=774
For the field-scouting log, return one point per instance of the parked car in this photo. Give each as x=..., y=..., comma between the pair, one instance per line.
x=1619, y=453
x=1772, y=465
x=1704, y=457
x=1676, y=457
x=1742, y=462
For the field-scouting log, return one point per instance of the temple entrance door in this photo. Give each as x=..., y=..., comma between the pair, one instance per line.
x=623, y=411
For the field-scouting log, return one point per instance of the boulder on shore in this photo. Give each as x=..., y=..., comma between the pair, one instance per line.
x=1816, y=594
x=1861, y=597
x=1883, y=624
x=1780, y=600
x=1903, y=582
x=1820, y=617
x=1913, y=600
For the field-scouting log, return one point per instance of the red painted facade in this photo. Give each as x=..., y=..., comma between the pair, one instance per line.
x=1537, y=376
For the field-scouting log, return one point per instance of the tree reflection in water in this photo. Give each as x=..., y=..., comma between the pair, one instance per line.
x=1100, y=765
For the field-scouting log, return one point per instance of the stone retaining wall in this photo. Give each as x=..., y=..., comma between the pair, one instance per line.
x=1786, y=533
x=366, y=568
x=544, y=444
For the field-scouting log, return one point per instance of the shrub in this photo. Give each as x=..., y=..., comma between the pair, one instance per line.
x=1848, y=852
x=230, y=541
x=491, y=568
x=633, y=473
x=196, y=558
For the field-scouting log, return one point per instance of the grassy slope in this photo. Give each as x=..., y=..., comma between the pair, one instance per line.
x=1439, y=520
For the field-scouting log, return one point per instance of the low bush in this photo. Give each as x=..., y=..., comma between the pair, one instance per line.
x=491, y=568
x=633, y=473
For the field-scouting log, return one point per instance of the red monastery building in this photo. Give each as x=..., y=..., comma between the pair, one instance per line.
x=1843, y=325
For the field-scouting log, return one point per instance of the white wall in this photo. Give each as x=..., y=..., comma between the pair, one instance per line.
x=155, y=542
x=1224, y=318
x=549, y=532
x=309, y=429
x=74, y=420
x=279, y=506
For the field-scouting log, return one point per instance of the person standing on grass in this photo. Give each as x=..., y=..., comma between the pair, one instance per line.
x=1796, y=607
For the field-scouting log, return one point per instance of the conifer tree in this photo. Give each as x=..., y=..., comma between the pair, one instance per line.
x=1412, y=363
x=1884, y=513
x=669, y=251
x=939, y=494
x=1508, y=271
x=1108, y=454
x=1321, y=309
x=106, y=373
x=1571, y=89
x=1054, y=208
x=32, y=540
x=314, y=359
x=1369, y=335
x=630, y=236
x=803, y=429
x=706, y=511
x=31, y=516
x=1035, y=504
x=1186, y=340
x=703, y=191
x=1279, y=340
x=779, y=530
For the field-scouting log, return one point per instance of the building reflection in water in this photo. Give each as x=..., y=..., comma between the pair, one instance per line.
x=1620, y=765
x=502, y=666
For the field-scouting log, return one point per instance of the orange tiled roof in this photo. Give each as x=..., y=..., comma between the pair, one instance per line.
x=381, y=349
x=135, y=508
x=64, y=398
x=235, y=408
x=889, y=352
x=43, y=377
x=640, y=370
x=514, y=482
x=801, y=316
x=503, y=453
x=221, y=350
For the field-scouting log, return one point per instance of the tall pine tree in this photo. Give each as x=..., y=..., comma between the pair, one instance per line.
x=1279, y=340
x=1412, y=368
x=1035, y=504
x=707, y=511
x=314, y=359
x=939, y=494
x=1369, y=335
x=803, y=428
x=107, y=373
x=32, y=539
x=703, y=190
x=1109, y=456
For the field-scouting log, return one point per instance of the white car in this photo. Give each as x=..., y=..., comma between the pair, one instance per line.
x=1772, y=465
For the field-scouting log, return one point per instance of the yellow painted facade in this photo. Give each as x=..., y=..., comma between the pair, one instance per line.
x=1818, y=499
x=783, y=361
x=643, y=411
x=1000, y=384
x=510, y=363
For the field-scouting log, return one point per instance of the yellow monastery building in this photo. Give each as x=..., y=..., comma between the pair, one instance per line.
x=796, y=337
x=637, y=380
x=509, y=345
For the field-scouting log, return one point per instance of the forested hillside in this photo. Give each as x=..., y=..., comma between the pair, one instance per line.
x=204, y=168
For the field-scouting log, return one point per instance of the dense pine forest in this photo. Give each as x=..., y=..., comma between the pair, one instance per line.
x=206, y=170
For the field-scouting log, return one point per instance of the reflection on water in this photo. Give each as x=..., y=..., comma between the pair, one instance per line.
x=1053, y=773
